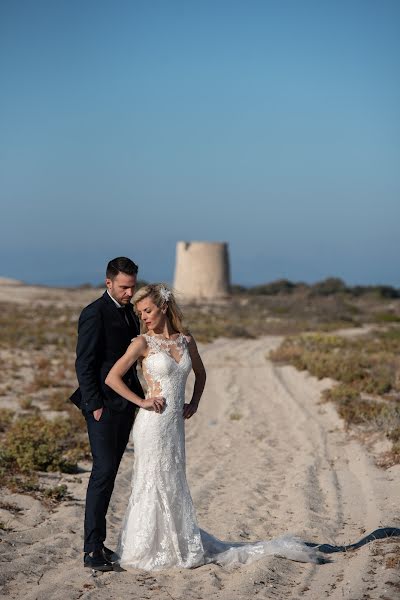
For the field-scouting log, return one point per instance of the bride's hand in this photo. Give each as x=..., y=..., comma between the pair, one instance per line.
x=189, y=410
x=156, y=403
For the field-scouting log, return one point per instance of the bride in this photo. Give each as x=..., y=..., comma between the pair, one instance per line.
x=160, y=530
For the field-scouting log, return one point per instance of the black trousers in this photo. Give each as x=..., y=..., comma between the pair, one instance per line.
x=108, y=439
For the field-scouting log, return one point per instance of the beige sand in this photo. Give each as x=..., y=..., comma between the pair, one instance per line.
x=265, y=457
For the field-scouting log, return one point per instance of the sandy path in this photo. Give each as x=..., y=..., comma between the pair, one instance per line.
x=264, y=458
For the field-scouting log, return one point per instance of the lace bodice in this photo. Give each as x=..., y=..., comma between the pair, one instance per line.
x=166, y=368
x=172, y=346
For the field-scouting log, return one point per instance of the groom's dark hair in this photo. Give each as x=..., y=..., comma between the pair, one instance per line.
x=121, y=264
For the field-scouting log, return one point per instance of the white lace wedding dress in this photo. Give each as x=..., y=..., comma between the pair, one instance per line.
x=160, y=530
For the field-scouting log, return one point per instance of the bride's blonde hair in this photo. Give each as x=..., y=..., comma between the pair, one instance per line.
x=161, y=294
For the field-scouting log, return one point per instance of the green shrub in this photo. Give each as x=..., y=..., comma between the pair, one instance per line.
x=341, y=393
x=386, y=317
x=361, y=412
x=56, y=493
x=6, y=416
x=380, y=378
x=327, y=287
x=371, y=363
x=380, y=291
x=280, y=286
x=386, y=291
x=394, y=435
x=235, y=416
x=34, y=443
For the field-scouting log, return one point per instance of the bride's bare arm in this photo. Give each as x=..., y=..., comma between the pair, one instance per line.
x=136, y=349
x=200, y=380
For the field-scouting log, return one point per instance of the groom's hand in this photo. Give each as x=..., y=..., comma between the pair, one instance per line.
x=97, y=413
x=189, y=410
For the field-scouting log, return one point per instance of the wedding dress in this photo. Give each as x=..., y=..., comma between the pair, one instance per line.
x=160, y=530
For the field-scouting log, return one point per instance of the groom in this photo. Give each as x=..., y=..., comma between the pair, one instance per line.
x=105, y=330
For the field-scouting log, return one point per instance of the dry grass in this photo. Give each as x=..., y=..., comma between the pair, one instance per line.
x=235, y=416
x=37, y=326
x=26, y=403
x=57, y=399
x=393, y=561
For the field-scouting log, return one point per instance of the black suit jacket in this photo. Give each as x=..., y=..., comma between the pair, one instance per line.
x=103, y=337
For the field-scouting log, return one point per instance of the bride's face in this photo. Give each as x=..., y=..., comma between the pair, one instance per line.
x=153, y=316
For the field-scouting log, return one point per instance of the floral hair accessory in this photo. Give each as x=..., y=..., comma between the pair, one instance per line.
x=165, y=294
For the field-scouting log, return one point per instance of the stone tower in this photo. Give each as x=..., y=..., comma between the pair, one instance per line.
x=202, y=270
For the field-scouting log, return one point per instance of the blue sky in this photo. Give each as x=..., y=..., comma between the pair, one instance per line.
x=126, y=126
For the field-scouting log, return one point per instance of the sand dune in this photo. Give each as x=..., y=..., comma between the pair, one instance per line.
x=7, y=281
x=265, y=457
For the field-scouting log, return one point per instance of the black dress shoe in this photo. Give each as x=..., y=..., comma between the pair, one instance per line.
x=97, y=561
x=109, y=555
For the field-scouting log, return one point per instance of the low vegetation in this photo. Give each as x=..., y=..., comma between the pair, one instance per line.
x=332, y=286
x=37, y=347
x=251, y=317
x=32, y=444
x=35, y=443
x=367, y=371
x=37, y=326
x=6, y=417
x=37, y=351
x=285, y=308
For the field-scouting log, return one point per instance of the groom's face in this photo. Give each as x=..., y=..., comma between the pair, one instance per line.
x=122, y=287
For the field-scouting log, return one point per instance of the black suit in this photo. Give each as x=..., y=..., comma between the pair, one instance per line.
x=104, y=333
